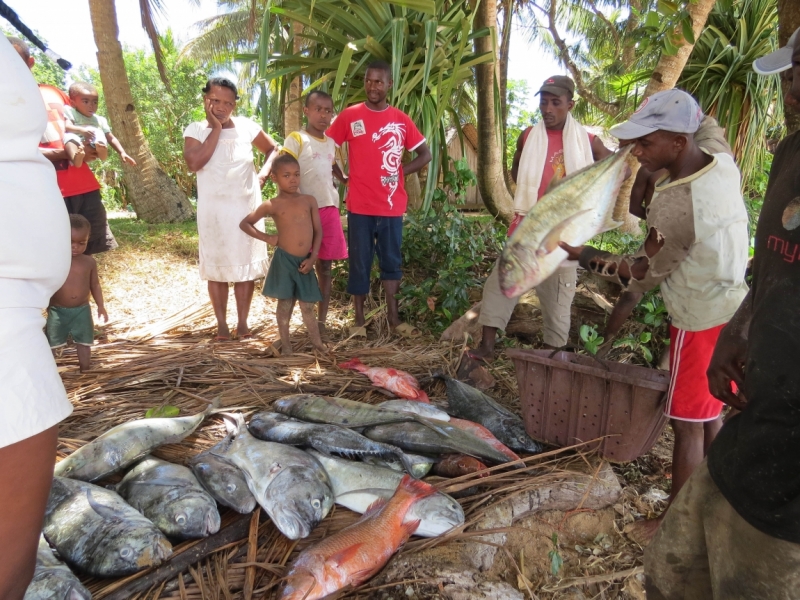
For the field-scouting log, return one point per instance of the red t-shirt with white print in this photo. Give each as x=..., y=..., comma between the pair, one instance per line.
x=376, y=141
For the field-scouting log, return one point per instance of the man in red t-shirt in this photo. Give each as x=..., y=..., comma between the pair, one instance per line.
x=554, y=148
x=377, y=135
x=78, y=186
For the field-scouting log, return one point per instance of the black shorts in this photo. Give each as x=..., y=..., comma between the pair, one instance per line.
x=90, y=205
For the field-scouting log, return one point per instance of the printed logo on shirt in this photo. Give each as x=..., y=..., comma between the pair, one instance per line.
x=559, y=169
x=358, y=128
x=392, y=150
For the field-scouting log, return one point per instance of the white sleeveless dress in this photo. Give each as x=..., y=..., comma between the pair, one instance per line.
x=227, y=191
x=35, y=258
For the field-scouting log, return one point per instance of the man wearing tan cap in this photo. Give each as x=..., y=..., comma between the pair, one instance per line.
x=734, y=530
x=554, y=148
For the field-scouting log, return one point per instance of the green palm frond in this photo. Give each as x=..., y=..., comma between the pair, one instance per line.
x=720, y=75
x=427, y=42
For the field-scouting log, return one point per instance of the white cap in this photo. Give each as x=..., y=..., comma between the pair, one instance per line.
x=671, y=110
x=777, y=61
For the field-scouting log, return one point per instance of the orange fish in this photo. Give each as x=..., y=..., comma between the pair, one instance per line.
x=455, y=465
x=356, y=553
x=398, y=382
x=487, y=436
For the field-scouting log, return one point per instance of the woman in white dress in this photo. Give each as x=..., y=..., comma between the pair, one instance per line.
x=220, y=151
x=35, y=258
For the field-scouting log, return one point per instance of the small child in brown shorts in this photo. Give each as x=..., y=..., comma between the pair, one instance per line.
x=291, y=274
x=69, y=313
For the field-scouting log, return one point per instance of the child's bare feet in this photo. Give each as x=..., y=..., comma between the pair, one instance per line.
x=286, y=348
x=75, y=153
x=102, y=151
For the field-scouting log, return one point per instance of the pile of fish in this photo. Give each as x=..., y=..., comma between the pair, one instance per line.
x=294, y=461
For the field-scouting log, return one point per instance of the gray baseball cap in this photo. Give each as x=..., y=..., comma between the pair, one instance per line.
x=780, y=60
x=671, y=110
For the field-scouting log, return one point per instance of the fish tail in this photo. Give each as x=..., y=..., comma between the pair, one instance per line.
x=409, y=527
x=415, y=487
x=353, y=363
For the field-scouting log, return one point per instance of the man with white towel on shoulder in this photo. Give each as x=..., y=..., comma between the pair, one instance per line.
x=555, y=147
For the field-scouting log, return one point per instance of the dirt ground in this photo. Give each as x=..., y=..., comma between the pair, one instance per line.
x=151, y=277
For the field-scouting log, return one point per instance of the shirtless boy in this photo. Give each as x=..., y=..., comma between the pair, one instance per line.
x=291, y=273
x=69, y=313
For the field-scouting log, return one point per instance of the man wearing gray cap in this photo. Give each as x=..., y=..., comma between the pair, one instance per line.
x=696, y=250
x=552, y=149
x=734, y=531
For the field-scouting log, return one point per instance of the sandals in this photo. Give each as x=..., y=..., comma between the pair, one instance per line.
x=407, y=331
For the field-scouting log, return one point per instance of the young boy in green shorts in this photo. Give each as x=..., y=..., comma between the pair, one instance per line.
x=69, y=313
x=291, y=272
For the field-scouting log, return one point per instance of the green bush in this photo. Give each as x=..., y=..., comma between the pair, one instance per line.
x=445, y=253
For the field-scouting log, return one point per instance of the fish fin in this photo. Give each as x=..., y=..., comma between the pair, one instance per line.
x=345, y=554
x=429, y=424
x=375, y=506
x=553, y=237
x=407, y=463
x=234, y=422
x=416, y=487
x=103, y=511
x=410, y=526
x=167, y=482
x=353, y=363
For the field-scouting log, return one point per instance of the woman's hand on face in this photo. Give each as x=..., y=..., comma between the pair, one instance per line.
x=213, y=121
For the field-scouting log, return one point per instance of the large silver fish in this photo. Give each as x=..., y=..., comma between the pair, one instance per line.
x=575, y=210
x=98, y=533
x=52, y=579
x=469, y=403
x=123, y=445
x=222, y=479
x=287, y=482
x=357, y=485
x=171, y=497
x=419, y=439
x=328, y=439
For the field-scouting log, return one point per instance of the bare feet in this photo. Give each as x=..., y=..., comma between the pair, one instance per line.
x=642, y=532
x=286, y=348
x=75, y=153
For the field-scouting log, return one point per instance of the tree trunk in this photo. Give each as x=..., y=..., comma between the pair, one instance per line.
x=156, y=198
x=788, y=22
x=664, y=77
x=491, y=183
x=505, y=46
x=293, y=115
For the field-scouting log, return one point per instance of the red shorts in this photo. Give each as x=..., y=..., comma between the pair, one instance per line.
x=688, y=398
x=333, y=245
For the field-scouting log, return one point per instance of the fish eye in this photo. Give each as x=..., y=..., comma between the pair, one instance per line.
x=180, y=519
x=316, y=503
x=231, y=487
x=126, y=553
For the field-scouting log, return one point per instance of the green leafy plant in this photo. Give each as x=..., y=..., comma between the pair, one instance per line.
x=445, y=253
x=162, y=412
x=637, y=344
x=590, y=338
x=654, y=311
x=556, y=560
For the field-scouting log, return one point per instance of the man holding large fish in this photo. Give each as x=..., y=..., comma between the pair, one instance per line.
x=696, y=249
x=556, y=147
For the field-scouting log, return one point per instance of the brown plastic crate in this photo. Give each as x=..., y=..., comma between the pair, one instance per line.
x=570, y=398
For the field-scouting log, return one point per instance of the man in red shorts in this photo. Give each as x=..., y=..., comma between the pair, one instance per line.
x=78, y=186
x=696, y=249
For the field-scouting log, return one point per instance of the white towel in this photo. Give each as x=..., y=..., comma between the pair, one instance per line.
x=577, y=155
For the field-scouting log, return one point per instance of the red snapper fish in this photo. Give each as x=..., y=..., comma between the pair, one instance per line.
x=487, y=436
x=356, y=553
x=398, y=382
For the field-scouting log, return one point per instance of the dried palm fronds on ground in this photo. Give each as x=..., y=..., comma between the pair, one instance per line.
x=158, y=350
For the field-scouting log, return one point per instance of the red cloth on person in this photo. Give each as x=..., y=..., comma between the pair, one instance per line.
x=376, y=141
x=71, y=181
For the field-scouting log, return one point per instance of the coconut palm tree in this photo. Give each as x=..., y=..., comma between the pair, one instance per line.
x=156, y=198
